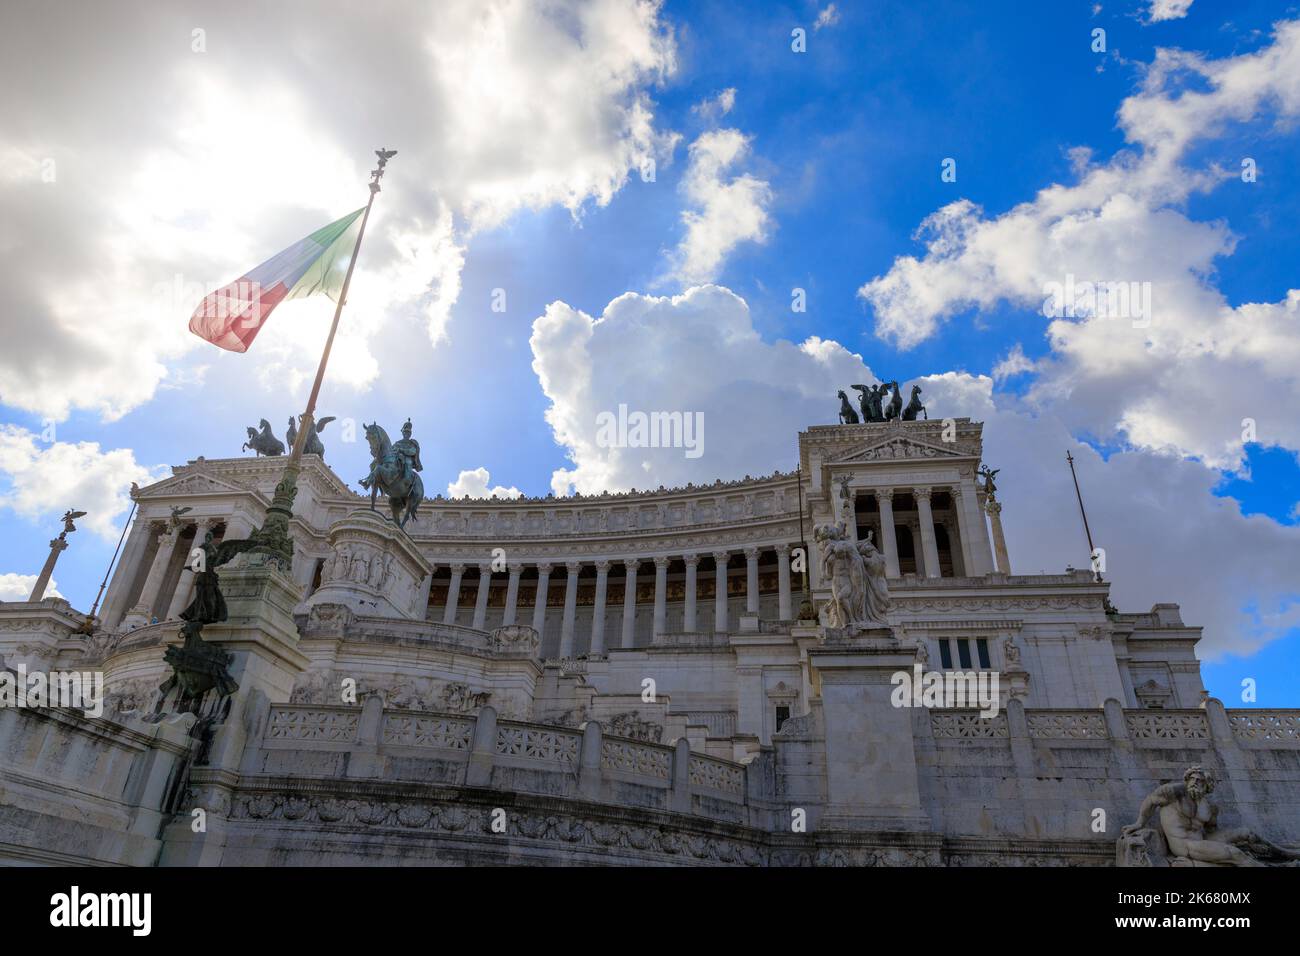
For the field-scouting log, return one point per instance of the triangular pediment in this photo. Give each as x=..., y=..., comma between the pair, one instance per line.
x=190, y=484
x=900, y=448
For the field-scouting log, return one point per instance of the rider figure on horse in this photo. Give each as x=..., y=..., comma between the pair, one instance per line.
x=409, y=449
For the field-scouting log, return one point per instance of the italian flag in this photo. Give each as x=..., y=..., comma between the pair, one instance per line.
x=232, y=316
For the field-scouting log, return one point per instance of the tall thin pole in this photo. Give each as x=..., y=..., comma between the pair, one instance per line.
x=1086, y=530
x=300, y=441
x=89, y=626
x=273, y=537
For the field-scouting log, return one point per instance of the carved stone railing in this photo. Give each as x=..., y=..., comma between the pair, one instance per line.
x=713, y=774
x=1266, y=725
x=967, y=725
x=537, y=742
x=316, y=723
x=629, y=756
x=482, y=751
x=411, y=729
x=1167, y=725
x=1067, y=724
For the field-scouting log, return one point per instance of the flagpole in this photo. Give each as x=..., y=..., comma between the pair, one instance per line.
x=273, y=537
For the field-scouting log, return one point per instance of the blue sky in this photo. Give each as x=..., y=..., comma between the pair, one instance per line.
x=525, y=177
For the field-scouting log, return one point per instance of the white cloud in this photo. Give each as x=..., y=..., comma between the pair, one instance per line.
x=716, y=107
x=830, y=16
x=1013, y=363
x=474, y=484
x=18, y=587
x=202, y=165
x=1168, y=10
x=1183, y=384
x=47, y=479
x=1167, y=537
x=727, y=209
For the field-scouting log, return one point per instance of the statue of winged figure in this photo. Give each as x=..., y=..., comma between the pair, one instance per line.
x=313, y=444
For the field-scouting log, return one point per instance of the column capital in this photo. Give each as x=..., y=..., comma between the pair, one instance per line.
x=485, y=567
x=631, y=564
x=602, y=567
x=662, y=562
x=544, y=567
x=922, y=493
x=782, y=549
x=955, y=492
x=884, y=494
x=457, y=568
x=573, y=567
x=721, y=557
x=691, y=560
x=751, y=553
x=515, y=568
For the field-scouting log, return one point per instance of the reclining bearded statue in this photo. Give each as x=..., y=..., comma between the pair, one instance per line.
x=1185, y=831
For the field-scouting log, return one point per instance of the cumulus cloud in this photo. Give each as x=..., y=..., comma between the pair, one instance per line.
x=726, y=209
x=144, y=165
x=1168, y=10
x=1182, y=379
x=1015, y=362
x=18, y=587
x=830, y=16
x=1167, y=538
x=715, y=107
x=46, y=479
x=474, y=484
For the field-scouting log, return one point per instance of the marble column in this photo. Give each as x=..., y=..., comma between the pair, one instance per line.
x=598, y=610
x=143, y=610
x=629, y=604
x=751, y=580
x=125, y=575
x=571, y=569
x=784, y=608
x=661, y=595
x=720, y=558
x=453, y=594
x=539, y=605
x=994, y=509
x=964, y=531
x=512, y=595
x=185, y=586
x=481, y=596
x=981, y=551
x=929, y=544
x=57, y=546
x=692, y=565
x=889, y=542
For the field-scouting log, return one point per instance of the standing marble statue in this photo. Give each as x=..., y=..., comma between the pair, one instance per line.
x=855, y=572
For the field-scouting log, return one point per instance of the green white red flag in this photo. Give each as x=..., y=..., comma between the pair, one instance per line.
x=232, y=316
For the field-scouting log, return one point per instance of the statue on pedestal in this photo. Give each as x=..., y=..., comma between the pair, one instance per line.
x=855, y=571
x=394, y=470
x=1186, y=831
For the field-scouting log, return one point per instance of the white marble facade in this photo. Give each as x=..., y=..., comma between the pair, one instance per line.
x=670, y=617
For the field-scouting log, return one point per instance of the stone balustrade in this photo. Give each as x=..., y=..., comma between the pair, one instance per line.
x=1144, y=727
x=502, y=754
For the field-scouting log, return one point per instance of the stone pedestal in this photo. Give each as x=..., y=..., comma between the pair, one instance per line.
x=375, y=569
x=870, y=760
x=262, y=639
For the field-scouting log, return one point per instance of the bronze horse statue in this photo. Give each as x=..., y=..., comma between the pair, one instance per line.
x=895, y=405
x=391, y=473
x=847, y=415
x=914, y=405
x=264, y=443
